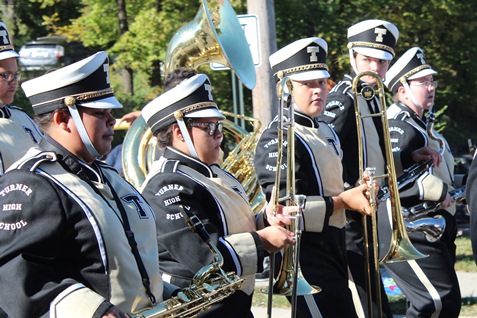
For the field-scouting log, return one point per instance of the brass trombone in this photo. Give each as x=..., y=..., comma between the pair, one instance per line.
x=401, y=248
x=290, y=281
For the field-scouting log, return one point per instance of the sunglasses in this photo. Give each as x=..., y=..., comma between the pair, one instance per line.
x=212, y=127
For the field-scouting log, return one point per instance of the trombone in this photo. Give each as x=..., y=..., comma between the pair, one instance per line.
x=401, y=248
x=290, y=281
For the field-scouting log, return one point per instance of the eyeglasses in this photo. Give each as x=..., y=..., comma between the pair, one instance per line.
x=8, y=77
x=427, y=84
x=212, y=128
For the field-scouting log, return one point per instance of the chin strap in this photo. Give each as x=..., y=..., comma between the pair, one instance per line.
x=82, y=131
x=352, y=61
x=411, y=95
x=188, y=140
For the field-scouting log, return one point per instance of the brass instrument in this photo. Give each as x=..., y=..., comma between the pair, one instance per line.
x=209, y=285
x=416, y=218
x=214, y=35
x=401, y=248
x=290, y=280
x=240, y=161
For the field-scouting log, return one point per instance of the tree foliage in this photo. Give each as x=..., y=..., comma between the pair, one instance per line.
x=444, y=29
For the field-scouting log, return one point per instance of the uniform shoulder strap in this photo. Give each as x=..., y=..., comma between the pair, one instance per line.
x=32, y=163
x=170, y=166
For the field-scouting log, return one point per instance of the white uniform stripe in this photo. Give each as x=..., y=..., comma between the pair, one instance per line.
x=436, y=298
x=358, y=306
x=234, y=256
x=88, y=213
x=222, y=213
x=312, y=306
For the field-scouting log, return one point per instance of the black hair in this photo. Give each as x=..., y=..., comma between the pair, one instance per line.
x=178, y=75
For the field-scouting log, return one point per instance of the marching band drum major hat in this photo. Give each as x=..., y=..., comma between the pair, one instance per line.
x=410, y=65
x=373, y=38
x=302, y=60
x=6, y=46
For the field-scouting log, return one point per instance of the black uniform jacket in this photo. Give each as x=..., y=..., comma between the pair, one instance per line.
x=219, y=201
x=340, y=113
x=63, y=248
x=318, y=176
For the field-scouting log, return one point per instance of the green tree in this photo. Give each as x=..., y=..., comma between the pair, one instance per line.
x=444, y=29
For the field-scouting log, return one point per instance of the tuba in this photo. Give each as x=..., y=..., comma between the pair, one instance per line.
x=290, y=280
x=214, y=35
x=401, y=248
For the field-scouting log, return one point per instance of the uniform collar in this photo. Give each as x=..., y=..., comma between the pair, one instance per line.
x=302, y=119
x=410, y=112
x=193, y=163
x=70, y=161
x=5, y=112
x=350, y=77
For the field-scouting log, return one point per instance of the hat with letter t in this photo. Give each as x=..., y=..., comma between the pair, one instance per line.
x=302, y=60
x=81, y=84
x=373, y=38
x=6, y=46
x=410, y=65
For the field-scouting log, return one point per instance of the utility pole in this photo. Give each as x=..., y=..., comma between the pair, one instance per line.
x=264, y=94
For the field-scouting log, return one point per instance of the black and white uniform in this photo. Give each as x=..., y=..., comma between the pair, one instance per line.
x=63, y=247
x=318, y=172
x=430, y=284
x=221, y=203
x=18, y=132
x=340, y=114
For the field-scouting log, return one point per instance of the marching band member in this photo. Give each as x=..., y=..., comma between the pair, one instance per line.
x=318, y=174
x=188, y=126
x=18, y=132
x=430, y=284
x=76, y=240
x=371, y=48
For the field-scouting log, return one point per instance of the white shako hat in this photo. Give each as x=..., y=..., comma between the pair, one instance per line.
x=410, y=65
x=6, y=46
x=192, y=98
x=302, y=60
x=84, y=83
x=373, y=38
